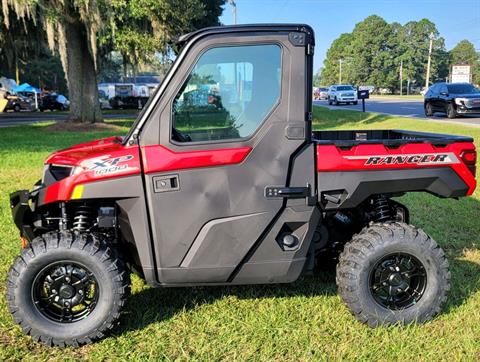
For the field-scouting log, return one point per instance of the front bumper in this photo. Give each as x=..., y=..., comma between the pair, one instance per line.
x=22, y=213
x=468, y=110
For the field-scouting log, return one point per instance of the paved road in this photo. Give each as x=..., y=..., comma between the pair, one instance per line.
x=15, y=119
x=401, y=107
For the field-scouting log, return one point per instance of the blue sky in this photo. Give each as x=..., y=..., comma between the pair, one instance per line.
x=455, y=20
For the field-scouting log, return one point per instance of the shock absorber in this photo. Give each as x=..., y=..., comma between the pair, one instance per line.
x=383, y=211
x=83, y=218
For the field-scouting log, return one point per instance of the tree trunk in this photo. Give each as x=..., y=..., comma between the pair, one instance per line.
x=81, y=76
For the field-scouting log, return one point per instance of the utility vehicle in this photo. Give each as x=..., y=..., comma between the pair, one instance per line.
x=221, y=181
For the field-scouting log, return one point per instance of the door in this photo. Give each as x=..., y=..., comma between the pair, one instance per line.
x=229, y=124
x=442, y=102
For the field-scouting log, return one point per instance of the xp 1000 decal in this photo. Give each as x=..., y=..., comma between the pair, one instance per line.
x=109, y=165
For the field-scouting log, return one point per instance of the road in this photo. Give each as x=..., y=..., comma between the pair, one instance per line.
x=401, y=107
x=16, y=119
x=394, y=106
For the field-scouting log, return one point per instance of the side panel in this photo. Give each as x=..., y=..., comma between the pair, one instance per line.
x=205, y=229
x=347, y=177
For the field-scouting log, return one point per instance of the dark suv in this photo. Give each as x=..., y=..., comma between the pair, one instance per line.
x=452, y=98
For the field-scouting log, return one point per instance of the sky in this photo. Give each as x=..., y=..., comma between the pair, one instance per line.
x=456, y=20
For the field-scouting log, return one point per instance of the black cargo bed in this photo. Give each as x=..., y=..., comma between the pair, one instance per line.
x=385, y=137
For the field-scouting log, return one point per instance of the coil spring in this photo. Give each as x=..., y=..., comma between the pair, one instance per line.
x=83, y=218
x=383, y=211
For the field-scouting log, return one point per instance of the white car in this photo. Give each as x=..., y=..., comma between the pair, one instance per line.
x=342, y=93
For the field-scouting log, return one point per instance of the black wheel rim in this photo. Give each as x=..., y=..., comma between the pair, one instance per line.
x=398, y=281
x=65, y=292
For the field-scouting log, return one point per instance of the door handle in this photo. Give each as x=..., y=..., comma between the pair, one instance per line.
x=166, y=183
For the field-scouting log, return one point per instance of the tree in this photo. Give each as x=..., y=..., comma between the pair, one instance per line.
x=414, y=42
x=84, y=30
x=338, y=52
x=317, y=78
x=464, y=53
x=373, y=52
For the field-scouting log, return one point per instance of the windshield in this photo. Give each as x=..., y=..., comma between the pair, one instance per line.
x=462, y=89
x=345, y=88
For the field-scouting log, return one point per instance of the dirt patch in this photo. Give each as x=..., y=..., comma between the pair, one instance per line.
x=81, y=127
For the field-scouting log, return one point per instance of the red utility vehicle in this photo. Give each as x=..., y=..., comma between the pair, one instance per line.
x=221, y=181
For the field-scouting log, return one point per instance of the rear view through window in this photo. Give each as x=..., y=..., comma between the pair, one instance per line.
x=228, y=94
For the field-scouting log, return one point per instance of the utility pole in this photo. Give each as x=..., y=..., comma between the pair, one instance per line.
x=340, y=75
x=401, y=77
x=427, y=79
x=234, y=10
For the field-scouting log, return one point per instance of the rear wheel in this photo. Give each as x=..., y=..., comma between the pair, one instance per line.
x=67, y=289
x=451, y=112
x=393, y=273
x=428, y=110
x=16, y=108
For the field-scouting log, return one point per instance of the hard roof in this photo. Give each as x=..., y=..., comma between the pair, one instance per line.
x=243, y=28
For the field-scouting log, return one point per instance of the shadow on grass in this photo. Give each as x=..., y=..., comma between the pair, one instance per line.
x=152, y=305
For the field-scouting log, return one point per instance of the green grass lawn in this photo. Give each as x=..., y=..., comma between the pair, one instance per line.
x=301, y=321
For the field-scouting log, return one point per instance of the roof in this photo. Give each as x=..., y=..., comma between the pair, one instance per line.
x=244, y=28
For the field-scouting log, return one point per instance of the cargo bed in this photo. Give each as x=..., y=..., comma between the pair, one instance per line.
x=385, y=137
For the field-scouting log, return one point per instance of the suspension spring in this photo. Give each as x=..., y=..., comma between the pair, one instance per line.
x=83, y=219
x=383, y=211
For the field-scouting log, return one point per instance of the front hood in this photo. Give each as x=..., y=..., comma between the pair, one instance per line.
x=75, y=155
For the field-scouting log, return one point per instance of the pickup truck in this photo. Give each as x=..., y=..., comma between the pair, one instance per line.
x=221, y=181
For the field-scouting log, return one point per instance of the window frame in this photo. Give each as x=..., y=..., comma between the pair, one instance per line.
x=189, y=72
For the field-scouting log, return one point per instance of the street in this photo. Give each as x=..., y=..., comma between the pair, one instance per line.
x=401, y=107
x=393, y=106
x=16, y=119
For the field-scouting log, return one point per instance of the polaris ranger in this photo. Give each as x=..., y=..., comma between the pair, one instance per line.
x=221, y=181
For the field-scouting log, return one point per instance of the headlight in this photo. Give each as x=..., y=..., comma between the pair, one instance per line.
x=461, y=101
x=53, y=173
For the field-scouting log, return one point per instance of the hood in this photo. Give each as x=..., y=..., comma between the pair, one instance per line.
x=76, y=154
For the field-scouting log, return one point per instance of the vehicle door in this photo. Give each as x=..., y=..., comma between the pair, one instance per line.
x=442, y=100
x=227, y=124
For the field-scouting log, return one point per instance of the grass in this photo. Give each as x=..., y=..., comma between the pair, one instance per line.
x=301, y=321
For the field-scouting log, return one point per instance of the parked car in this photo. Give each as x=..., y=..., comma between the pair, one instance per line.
x=129, y=102
x=18, y=103
x=342, y=93
x=453, y=99
x=323, y=93
x=54, y=102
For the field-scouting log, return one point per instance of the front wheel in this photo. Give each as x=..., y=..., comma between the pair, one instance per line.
x=451, y=112
x=67, y=289
x=335, y=102
x=428, y=110
x=355, y=103
x=393, y=273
